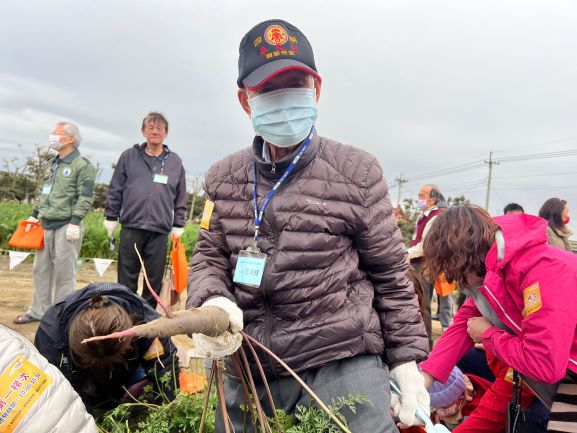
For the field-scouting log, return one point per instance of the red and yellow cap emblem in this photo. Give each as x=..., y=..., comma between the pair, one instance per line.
x=275, y=35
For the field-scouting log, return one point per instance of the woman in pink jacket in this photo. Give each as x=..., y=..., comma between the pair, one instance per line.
x=516, y=281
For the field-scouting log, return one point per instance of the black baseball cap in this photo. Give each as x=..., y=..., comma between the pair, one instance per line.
x=270, y=48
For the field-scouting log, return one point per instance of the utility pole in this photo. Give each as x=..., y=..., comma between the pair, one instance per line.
x=491, y=163
x=400, y=181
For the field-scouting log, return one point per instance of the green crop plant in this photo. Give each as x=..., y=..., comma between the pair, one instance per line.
x=95, y=243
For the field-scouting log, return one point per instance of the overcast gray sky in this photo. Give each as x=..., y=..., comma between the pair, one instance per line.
x=423, y=85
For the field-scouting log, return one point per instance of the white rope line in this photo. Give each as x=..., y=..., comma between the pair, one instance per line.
x=5, y=252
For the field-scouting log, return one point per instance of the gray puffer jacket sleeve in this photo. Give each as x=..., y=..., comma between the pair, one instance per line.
x=58, y=408
x=210, y=268
x=383, y=257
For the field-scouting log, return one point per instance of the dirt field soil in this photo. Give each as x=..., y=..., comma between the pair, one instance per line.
x=17, y=289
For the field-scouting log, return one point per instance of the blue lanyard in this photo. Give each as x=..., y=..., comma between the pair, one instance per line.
x=162, y=160
x=258, y=215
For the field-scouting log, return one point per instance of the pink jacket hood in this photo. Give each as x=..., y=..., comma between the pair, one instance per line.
x=521, y=231
x=532, y=288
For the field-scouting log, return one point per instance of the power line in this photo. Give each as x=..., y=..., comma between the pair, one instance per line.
x=447, y=171
x=536, y=187
x=539, y=156
x=462, y=185
x=561, y=140
x=536, y=175
x=480, y=163
x=475, y=186
x=465, y=188
x=400, y=181
x=526, y=157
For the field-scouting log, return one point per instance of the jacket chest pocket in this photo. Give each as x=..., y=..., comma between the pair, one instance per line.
x=67, y=178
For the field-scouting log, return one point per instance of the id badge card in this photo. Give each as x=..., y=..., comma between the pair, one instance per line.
x=249, y=267
x=46, y=189
x=161, y=178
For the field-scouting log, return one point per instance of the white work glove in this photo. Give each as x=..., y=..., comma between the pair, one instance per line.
x=72, y=232
x=110, y=226
x=176, y=232
x=29, y=226
x=229, y=341
x=413, y=392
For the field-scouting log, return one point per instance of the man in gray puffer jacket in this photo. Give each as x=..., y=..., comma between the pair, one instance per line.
x=299, y=244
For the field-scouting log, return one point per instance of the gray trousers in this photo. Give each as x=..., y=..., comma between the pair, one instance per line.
x=445, y=310
x=54, y=270
x=364, y=375
x=445, y=303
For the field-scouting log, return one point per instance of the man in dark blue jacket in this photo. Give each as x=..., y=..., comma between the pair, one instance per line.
x=148, y=194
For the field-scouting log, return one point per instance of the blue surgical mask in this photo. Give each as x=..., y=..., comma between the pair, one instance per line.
x=284, y=117
x=421, y=204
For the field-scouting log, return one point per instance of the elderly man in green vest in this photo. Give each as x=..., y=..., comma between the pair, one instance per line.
x=66, y=196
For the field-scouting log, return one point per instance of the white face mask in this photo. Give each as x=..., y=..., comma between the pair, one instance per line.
x=284, y=117
x=54, y=142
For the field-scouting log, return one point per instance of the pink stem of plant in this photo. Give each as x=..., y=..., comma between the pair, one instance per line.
x=265, y=383
x=259, y=410
x=122, y=334
x=220, y=389
x=167, y=310
x=207, y=397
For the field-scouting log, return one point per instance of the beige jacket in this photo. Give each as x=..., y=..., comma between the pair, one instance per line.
x=558, y=238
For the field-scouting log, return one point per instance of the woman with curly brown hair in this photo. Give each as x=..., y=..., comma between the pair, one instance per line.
x=522, y=293
x=556, y=212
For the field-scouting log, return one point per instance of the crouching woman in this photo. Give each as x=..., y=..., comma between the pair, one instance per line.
x=108, y=372
x=521, y=306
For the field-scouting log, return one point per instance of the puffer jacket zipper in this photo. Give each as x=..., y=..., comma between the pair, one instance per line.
x=268, y=319
x=269, y=363
x=149, y=198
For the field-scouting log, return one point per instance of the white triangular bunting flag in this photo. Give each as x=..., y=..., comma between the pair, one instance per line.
x=17, y=257
x=101, y=265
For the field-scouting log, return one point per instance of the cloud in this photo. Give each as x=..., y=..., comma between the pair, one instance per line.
x=420, y=84
x=21, y=90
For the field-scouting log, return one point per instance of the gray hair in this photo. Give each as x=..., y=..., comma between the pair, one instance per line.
x=155, y=117
x=72, y=130
x=436, y=194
